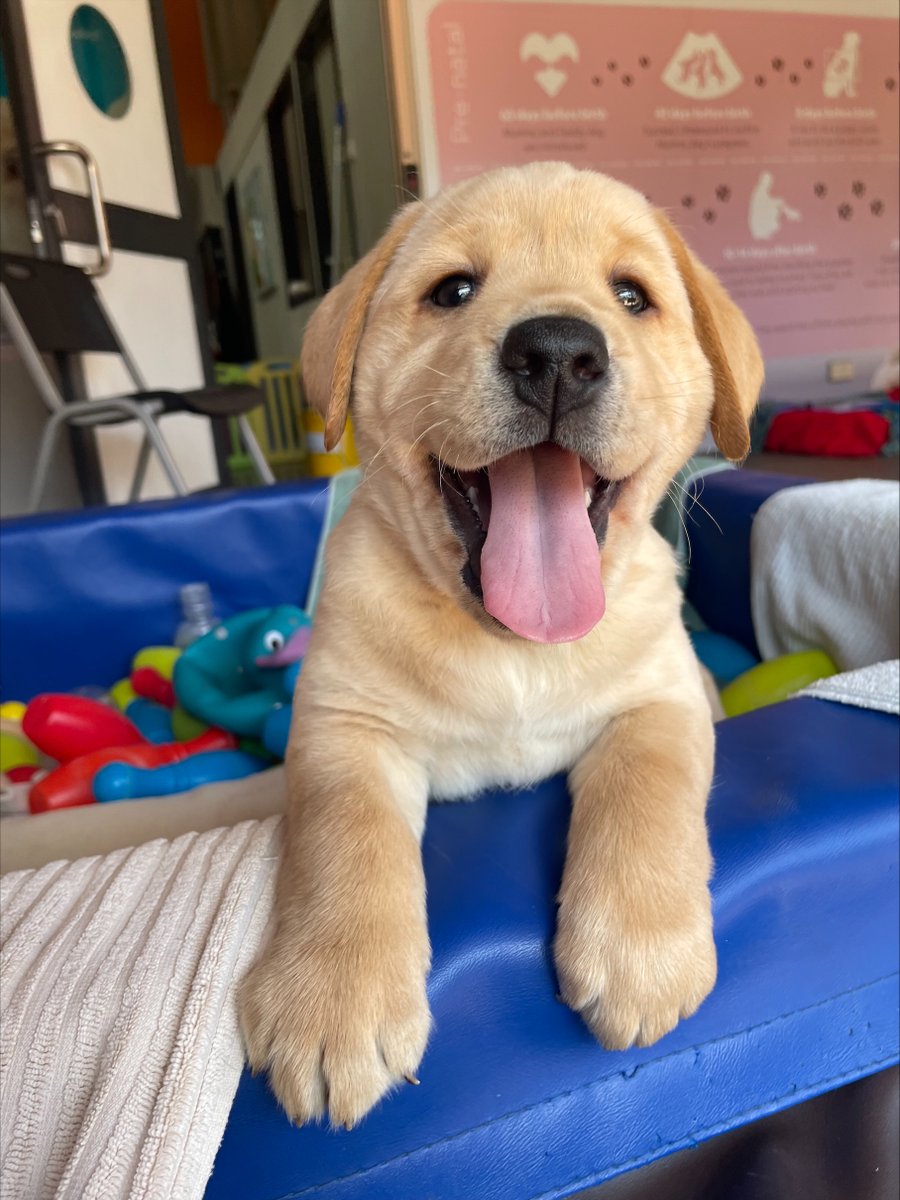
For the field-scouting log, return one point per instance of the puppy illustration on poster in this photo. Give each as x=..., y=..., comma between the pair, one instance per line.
x=701, y=68
x=771, y=137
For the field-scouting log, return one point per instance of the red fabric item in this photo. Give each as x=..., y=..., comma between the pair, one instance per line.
x=831, y=434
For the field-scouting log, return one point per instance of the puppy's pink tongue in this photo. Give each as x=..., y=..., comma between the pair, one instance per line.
x=540, y=566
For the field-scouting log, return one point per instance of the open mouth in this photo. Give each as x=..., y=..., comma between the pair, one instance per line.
x=531, y=524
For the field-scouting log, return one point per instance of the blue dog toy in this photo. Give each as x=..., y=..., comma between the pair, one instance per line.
x=119, y=781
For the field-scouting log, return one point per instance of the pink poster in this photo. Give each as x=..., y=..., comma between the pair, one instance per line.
x=771, y=137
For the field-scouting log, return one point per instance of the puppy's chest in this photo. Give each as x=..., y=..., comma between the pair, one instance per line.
x=512, y=733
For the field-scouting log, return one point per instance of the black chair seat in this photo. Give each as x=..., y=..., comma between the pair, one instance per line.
x=52, y=308
x=227, y=400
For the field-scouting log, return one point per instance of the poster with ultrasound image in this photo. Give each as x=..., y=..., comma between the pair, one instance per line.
x=770, y=137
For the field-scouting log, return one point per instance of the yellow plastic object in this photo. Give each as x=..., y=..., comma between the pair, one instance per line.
x=160, y=658
x=13, y=710
x=320, y=461
x=122, y=694
x=185, y=725
x=277, y=423
x=16, y=752
x=775, y=680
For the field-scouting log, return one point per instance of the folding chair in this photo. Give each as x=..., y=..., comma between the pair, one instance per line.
x=51, y=308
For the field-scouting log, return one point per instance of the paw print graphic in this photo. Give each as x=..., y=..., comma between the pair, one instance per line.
x=890, y=84
x=876, y=208
x=596, y=81
x=760, y=80
x=808, y=64
x=644, y=62
x=709, y=215
x=687, y=202
x=628, y=80
x=821, y=190
x=612, y=66
x=723, y=192
x=845, y=212
x=794, y=77
x=858, y=188
x=777, y=64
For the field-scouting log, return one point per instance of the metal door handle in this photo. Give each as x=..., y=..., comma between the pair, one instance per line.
x=104, y=250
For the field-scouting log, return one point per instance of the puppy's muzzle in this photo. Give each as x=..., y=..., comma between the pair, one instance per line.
x=555, y=364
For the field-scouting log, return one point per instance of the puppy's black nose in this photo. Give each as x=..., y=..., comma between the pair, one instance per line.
x=556, y=363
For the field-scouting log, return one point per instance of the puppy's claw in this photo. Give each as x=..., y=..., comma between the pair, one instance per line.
x=412, y=1079
x=348, y=1125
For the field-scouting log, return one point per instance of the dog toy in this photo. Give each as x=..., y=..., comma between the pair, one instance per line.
x=233, y=676
x=15, y=751
x=67, y=727
x=722, y=656
x=120, y=781
x=122, y=693
x=278, y=722
x=154, y=666
x=70, y=784
x=153, y=720
x=159, y=658
x=776, y=680
x=149, y=684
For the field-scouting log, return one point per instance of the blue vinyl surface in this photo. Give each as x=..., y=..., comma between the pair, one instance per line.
x=82, y=592
x=517, y=1100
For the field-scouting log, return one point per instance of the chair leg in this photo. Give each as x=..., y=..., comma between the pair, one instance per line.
x=140, y=470
x=163, y=453
x=260, y=462
x=44, y=458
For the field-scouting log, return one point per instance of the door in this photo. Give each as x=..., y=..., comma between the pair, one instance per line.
x=96, y=114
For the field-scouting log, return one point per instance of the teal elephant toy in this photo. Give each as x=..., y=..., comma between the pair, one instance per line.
x=236, y=675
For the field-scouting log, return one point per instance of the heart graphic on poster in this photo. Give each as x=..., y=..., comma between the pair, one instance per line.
x=549, y=50
x=551, y=79
x=701, y=68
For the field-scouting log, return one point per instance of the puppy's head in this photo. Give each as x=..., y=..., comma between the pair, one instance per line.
x=530, y=358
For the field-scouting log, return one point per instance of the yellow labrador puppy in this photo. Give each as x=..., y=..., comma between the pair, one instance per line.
x=530, y=358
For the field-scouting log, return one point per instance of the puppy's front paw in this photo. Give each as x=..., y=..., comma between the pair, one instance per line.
x=632, y=982
x=336, y=1022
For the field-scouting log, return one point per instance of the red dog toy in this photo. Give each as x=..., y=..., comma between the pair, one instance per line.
x=66, y=727
x=150, y=685
x=70, y=784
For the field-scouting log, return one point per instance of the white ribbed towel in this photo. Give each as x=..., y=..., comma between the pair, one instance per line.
x=825, y=571
x=119, y=1046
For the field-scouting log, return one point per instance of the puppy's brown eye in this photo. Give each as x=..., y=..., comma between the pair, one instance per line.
x=453, y=291
x=631, y=295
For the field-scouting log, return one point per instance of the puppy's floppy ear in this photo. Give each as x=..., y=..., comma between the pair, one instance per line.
x=335, y=329
x=729, y=343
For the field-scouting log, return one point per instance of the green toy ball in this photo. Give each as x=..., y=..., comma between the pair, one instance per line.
x=776, y=680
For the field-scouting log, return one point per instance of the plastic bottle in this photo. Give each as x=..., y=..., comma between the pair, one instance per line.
x=197, y=612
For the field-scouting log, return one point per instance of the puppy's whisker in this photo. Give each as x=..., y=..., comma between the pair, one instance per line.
x=439, y=393
x=430, y=209
x=424, y=433
x=443, y=374
x=675, y=501
x=695, y=502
